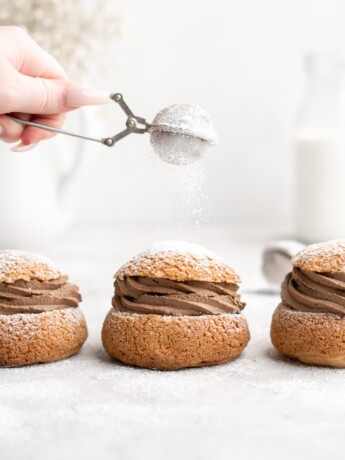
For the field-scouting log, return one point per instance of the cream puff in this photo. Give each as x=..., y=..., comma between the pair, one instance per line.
x=309, y=324
x=40, y=318
x=175, y=305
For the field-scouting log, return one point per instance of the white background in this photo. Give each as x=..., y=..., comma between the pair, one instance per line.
x=241, y=61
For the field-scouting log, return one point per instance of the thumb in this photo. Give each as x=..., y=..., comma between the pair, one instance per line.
x=48, y=96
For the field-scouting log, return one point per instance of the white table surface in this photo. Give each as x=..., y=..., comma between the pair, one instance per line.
x=260, y=406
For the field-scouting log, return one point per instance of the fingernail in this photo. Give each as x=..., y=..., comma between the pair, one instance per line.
x=23, y=147
x=76, y=96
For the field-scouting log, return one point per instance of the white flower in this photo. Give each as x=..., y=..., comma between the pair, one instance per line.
x=74, y=32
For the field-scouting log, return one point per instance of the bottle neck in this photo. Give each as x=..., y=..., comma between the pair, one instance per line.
x=321, y=109
x=324, y=86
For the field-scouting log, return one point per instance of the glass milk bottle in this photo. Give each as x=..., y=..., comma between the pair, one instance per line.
x=320, y=153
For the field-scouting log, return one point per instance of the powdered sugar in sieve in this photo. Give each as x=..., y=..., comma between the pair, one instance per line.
x=181, y=133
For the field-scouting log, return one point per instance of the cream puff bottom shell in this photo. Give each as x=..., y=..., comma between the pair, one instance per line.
x=31, y=338
x=174, y=342
x=313, y=338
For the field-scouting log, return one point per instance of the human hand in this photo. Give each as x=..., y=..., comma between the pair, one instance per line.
x=34, y=86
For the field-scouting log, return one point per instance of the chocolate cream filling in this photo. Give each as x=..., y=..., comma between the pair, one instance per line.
x=314, y=292
x=38, y=296
x=166, y=297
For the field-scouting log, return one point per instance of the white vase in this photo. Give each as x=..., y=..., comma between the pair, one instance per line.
x=39, y=189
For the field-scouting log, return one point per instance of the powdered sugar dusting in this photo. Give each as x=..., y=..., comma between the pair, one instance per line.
x=181, y=133
x=182, y=247
x=322, y=257
x=20, y=265
x=95, y=406
x=329, y=319
x=90, y=406
x=178, y=149
x=309, y=316
x=27, y=325
x=179, y=260
x=236, y=326
x=185, y=119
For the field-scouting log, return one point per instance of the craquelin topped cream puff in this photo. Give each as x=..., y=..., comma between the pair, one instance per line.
x=40, y=319
x=309, y=324
x=175, y=305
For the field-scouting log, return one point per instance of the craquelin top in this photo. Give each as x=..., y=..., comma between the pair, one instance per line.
x=322, y=257
x=179, y=261
x=20, y=265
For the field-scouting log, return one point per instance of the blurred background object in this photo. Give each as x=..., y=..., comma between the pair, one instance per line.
x=276, y=260
x=244, y=63
x=320, y=151
x=241, y=61
x=40, y=193
x=75, y=33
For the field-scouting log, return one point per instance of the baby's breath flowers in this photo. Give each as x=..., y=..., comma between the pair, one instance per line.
x=74, y=32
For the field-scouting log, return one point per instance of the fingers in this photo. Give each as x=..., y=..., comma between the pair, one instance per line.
x=32, y=82
x=27, y=57
x=19, y=148
x=37, y=95
x=32, y=135
x=77, y=96
x=10, y=130
x=37, y=62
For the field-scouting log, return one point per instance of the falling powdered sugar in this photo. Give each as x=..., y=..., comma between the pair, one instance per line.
x=180, y=135
x=180, y=200
x=179, y=247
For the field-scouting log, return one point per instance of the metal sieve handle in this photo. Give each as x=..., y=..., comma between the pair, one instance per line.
x=133, y=124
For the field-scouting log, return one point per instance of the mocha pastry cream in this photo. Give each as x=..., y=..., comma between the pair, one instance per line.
x=40, y=319
x=38, y=296
x=175, y=298
x=175, y=305
x=309, y=324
